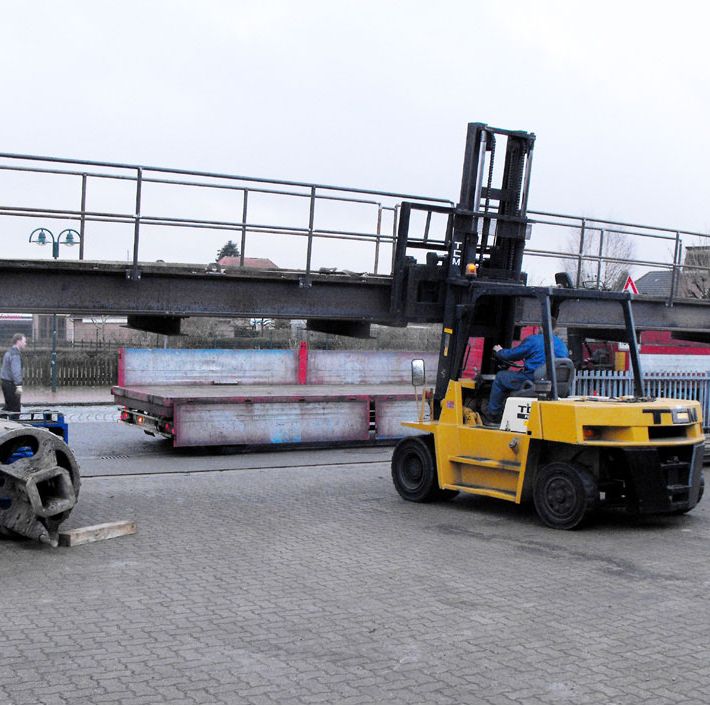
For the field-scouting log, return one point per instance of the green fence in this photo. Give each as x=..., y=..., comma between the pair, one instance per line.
x=74, y=368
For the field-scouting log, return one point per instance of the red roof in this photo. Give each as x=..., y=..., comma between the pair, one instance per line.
x=257, y=263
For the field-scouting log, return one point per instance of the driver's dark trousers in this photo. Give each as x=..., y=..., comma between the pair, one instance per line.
x=506, y=381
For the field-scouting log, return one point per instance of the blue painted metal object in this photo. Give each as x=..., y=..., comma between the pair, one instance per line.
x=45, y=418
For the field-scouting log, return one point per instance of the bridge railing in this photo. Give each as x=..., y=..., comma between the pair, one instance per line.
x=371, y=215
x=672, y=384
x=147, y=204
x=600, y=254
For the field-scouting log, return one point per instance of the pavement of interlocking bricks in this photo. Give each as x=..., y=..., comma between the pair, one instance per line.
x=45, y=397
x=318, y=584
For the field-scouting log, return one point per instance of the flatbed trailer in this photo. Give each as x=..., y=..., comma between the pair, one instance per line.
x=212, y=415
x=256, y=397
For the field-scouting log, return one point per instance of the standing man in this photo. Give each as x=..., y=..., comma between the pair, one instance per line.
x=11, y=373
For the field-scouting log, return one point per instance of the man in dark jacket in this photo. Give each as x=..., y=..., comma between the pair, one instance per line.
x=532, y=351
x=11, y=374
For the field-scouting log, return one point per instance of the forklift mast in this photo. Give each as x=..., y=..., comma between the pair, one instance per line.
x=484, y=240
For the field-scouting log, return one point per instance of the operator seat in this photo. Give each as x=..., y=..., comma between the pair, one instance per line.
x=564, y=368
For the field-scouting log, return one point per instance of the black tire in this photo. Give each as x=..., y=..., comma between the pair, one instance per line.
x=564, y=494
x=414, y=471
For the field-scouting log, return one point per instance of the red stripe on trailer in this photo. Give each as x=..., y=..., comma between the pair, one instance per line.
x=302, y=363
x=121, y=367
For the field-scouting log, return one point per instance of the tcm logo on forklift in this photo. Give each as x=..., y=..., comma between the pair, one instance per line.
x=516, y=414
x=523, y=411
x=456, y=253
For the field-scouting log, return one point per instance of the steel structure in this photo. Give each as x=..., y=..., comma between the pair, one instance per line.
x=155, y=296
x=164, y=295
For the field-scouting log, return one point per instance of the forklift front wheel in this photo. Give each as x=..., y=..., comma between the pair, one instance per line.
x=563, y=495
x=414, y=471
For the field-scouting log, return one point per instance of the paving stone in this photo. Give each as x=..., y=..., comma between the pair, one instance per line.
x=318, y=584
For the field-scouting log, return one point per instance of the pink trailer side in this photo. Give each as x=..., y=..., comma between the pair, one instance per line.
x=365, y=367
x=391, y=411
x=272, y=421
x=184, y=366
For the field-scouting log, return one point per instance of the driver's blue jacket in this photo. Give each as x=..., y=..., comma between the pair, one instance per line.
x=532, y=351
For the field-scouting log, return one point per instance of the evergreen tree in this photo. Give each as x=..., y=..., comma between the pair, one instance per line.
x=229, y=249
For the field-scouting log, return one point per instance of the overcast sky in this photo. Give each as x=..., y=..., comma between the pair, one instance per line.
x=371, y=94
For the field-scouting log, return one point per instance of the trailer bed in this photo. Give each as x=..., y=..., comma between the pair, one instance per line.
x=227, y=414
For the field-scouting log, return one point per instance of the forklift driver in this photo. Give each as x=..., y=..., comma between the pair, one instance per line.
x=531, y=350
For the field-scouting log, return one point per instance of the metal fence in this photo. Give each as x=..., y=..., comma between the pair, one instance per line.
x=676, y=385
x=375, y=224
x=599, y=254
x=133, y=197
x=72, y=370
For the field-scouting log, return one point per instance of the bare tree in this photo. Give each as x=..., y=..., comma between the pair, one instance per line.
x=695, y=277
x=259, y=324
x=615, y=249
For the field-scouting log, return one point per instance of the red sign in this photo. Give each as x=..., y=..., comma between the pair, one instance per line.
x=630, y=286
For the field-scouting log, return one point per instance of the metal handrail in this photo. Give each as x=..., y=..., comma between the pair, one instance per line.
x=621, y=224
x=601, y=230
x=142, y=175
x=219, y=175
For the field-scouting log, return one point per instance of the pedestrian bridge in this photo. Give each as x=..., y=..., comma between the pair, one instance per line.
x=146, y=238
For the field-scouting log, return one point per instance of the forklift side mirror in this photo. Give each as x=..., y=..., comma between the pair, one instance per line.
x=418, y=372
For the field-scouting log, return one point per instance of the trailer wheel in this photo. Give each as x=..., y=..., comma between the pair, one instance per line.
x=414, y=471
x=564, y=494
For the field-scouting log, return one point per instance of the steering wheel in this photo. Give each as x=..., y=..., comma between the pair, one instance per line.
x=501, y=364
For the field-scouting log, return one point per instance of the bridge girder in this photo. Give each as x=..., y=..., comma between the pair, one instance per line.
x=41, y=287
x=169, y=290
x=650, y=314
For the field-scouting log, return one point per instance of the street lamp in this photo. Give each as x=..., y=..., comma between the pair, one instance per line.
x=68, y=237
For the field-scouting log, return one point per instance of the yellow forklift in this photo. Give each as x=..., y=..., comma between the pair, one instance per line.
x=568, y=454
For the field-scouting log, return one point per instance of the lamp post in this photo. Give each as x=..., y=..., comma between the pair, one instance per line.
x=67, y=237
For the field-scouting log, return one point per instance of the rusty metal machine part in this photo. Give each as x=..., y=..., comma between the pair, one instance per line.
x=39, y=482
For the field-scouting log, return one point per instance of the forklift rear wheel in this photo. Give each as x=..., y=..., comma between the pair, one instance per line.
x=414, y=471
x=564, y=494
